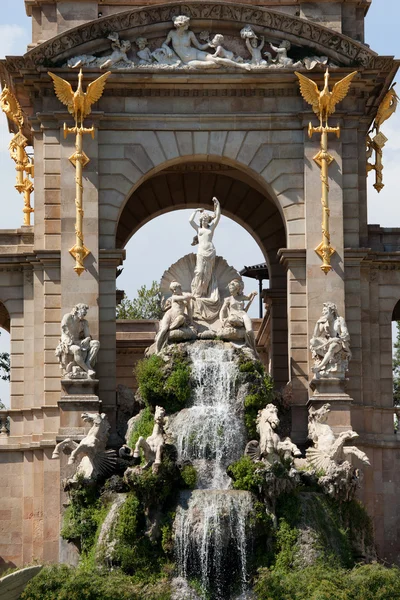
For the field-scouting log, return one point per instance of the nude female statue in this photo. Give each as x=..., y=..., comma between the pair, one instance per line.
x=234, y=312
x=180, y=314
x=206, y=253
x=189, y=49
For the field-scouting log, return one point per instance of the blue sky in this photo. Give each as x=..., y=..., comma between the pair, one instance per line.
x=172, y=230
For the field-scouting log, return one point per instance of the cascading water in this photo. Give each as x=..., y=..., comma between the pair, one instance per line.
x=212, y=525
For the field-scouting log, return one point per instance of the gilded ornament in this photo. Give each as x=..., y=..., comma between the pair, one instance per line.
x=23, y=164
x=323, y=103
x=79, y=104
x=376, y=144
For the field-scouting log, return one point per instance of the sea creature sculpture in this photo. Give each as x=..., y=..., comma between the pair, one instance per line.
x=95, y=460
x=329, y=454
x=153, y=445
x=270, y=448
x=324, y=101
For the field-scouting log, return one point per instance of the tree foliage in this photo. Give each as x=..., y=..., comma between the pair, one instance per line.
x=147, y=304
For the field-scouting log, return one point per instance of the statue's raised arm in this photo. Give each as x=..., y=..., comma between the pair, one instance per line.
x=217, y=213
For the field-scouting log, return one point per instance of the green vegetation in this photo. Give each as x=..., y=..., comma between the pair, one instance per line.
x=66, y=583
x=143, y=426
x=261, y=391
x=163, y=383
x=324, y=582
x=83, y=517
x=247, y=475
x=147, y=305
x=189, y=476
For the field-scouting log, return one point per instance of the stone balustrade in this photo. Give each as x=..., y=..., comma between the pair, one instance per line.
x=4, y=423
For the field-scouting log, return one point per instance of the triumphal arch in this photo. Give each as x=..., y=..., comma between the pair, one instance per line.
x=202, y=99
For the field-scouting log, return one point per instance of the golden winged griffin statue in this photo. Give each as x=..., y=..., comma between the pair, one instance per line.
x=323, y=103
x=79, y=104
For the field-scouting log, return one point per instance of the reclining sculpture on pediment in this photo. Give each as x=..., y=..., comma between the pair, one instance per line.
x=77, y=350
x=182, y=50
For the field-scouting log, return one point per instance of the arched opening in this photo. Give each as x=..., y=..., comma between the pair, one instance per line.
x=191, y=185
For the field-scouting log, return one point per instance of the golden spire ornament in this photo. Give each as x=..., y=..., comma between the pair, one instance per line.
x=79, y=104
x=323, y=104
x=386, y=108
x=23, y=164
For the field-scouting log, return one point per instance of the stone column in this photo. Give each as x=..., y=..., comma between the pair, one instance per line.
x=295, y=262
x=79, y=396
x=275, y=303
x=323, y=287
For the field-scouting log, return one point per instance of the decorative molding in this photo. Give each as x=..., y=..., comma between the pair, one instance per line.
x=277, y=24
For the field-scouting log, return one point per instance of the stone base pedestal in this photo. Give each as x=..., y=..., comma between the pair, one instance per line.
x=332, y=391
x=80, y=397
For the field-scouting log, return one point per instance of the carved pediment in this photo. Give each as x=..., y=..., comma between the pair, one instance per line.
x=228, y=19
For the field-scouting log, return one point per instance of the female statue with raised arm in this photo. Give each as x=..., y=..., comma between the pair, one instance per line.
x=206, y=252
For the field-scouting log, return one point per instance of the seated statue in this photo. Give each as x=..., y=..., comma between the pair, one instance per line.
x=330, y=344
x=178, y=316
x=77, y=351
x=233, y=314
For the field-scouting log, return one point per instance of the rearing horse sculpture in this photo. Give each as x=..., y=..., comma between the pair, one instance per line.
x=95, y=459
x=153, y=446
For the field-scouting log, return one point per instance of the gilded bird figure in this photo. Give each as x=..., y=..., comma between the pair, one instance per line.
x=79, y=103
x=386, y=108
x=11, y=107
x=324, y=102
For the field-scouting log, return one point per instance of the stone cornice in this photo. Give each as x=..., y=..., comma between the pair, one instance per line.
x=272, y=23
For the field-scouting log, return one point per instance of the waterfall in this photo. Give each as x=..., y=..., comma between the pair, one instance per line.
x=212, y=523
x=211, y=433
x=211, y=535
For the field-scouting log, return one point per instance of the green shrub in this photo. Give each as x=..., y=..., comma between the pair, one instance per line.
x=323, y=582
x=83, y=516
x=163, y=383
x=189, y=476
x=247, y=475
x=143, y=426
x=59, y=582
x=261, y=391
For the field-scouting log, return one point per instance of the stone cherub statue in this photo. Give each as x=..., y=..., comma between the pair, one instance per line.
x=77, y=351
x=118, y=55
x=233, y=314
x=330, y=455
x=178, y=316
x=95, y=460
x=330, y=344
x=270, y=448
x=252, y=45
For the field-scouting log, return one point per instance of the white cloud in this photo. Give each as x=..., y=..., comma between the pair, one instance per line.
x=13, y=40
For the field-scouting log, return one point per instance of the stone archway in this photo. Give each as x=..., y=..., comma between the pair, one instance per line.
x=192, y=184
